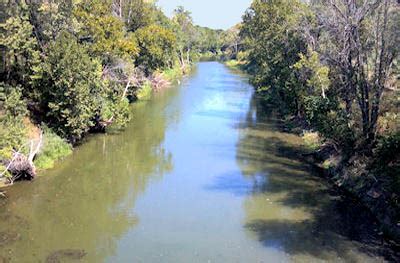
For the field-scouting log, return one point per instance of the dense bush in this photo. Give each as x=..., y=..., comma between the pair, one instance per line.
x=273, y=44
x=325, y=116
x=70, y=87
x=387, y=159
x=12, y=112
x=12, y=129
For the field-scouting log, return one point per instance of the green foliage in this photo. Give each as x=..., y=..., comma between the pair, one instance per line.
x=103, y=31
x=311, y=140
x=321, y=112
x=157, y=47
x=12, y=135
x=230, y=41
x=3, y=168
x=184, y=28
x=388, y=149
x=20, y=47
x=387, y=159
x=329, y=120
x=314, y=75
x=173, y=73
x=116, y=110
x=122, y=113
x=235, y=64
x=303, y=61
x=138, y=14
x=50, y=18
x=70, y=87
x=273, y=44
x=12, y=129
x=145, y=91
x=54, y=148
x=184, y=32
x=209, y=40
x=13, y=104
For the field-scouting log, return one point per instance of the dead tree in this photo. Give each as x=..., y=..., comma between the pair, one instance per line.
x=362, y=49
x=127, y=76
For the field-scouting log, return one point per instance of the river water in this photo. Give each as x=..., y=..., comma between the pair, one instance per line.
x=202, y=174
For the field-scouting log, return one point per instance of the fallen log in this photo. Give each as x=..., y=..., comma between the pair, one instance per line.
x=21, y=167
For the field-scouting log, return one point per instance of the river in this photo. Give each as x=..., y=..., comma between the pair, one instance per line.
x=202, y=174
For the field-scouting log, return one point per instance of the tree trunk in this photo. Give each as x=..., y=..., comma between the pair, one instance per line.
x=181, y=58
x=188, y=56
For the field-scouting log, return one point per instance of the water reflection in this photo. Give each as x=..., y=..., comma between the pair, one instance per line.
x=81, y=208
x=289, y=208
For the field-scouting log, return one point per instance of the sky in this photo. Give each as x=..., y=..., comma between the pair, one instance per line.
x=216, y=14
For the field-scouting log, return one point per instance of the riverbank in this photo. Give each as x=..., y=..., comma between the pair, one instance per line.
x=52, y=149
x=352, y=175
x=355, y=177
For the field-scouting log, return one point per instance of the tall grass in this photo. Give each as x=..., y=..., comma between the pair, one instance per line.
x=54, y=149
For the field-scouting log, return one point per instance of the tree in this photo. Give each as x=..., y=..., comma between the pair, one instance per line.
x=19, y=48
x=208, y=40
x=135, y=13
x=13, y=110
x=70, y=88
x=49, y=18
x=363, y=43
x=232, y=39
x=273, y=41
x=104, y=32
x=157, y=47
x=185, y=33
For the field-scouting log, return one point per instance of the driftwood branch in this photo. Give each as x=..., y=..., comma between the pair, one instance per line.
x=22, y=166
x=8, y=166
x=126, y=90
x=34, y=152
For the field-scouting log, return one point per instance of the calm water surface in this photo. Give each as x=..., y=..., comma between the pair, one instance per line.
x=202, y=174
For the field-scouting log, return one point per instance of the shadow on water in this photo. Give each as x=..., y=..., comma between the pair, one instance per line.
x=288, y=206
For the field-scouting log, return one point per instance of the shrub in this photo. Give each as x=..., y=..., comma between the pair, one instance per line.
x=157, y=46
x=145, y=91
x=174, y=73
x=12, y=129
x=53, y=149
x=311, y=140
x=387, y=157
x=70, y=87
x=329, y=120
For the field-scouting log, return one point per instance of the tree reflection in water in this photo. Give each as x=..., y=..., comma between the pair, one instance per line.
x=288, y=207
x=87, y=202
